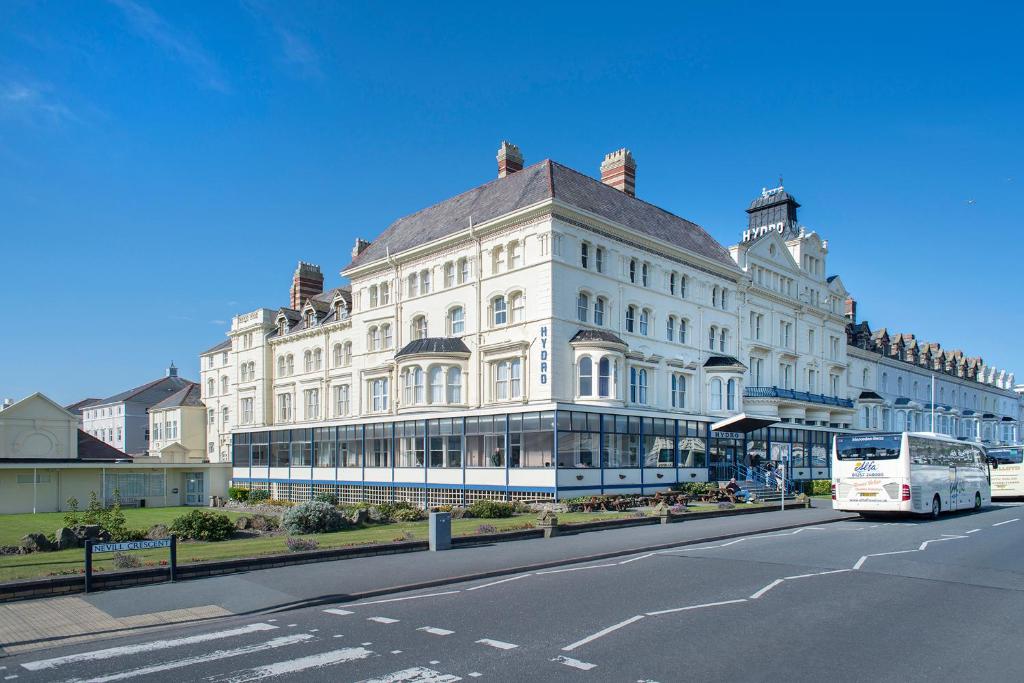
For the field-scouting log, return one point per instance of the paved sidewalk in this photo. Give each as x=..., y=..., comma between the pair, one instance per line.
x=39, y=623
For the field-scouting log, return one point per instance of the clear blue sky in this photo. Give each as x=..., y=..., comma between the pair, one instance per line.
x=163, y=165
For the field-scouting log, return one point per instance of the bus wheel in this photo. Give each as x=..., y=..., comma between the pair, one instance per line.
x=977, y=501
x=936, y=507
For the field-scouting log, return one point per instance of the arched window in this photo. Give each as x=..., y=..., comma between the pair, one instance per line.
x=645, y=274
x=899, y=386
x=456, y=320
x=347, y=354
x=318, y=359
x=408, y=391
x=671, y=283
x=585, y=255
x=633, y=386
x=449, y=274
x=586, y=376
x=211, y=386
x=714, y=296
x=414, y=285
x=517, y=313
x=374, y=338
x=885, y=381
x=515, y=255
x=436, y=384
x=419, y=327
x=682, y=331
x=716, y=394
x=645, y=316
x=463, y=265
x=630, y=318
x=632, y=270
x=604, y=377
x=385, y=294
x=725, y=299
x=307, y=361
x=678, y=390
x=582, y=306
x=498, y=259
x=385, y=333
x=599, y=306
x=373, y=296
x=454, y=385
x=723, y=340
x=290, y=362
x=864, y=378
x=419, y=390
x=730, y=395
x=425, y=281
x=670, y=328
x=712, y=334
x=224, y=384
x=682, y=286
x=499, y=311
x=642, y=381
x=337, y=356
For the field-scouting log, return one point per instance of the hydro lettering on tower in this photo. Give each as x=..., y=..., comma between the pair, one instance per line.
x=773, y=211
x=543, y=354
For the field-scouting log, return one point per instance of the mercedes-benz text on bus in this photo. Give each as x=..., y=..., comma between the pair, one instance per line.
x=921, y=473
x=1008, y=471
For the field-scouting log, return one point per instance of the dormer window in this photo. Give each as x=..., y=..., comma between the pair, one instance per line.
x=310, y=318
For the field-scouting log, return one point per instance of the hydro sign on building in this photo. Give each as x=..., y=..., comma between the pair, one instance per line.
x=543, y=354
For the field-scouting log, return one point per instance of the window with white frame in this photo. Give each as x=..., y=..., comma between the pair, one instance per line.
x=682, y=330
x=723, y=340
x=211, y=418
x=318, y=359
x=414, y=388
x=725, y=299
x=678, y=390
x=311, y=400
x=225, y=416
x=632, y=270
x=211, y=385
x=508, y=380
x=606, y=374
x=346, y=354
x=419, y=327
x=385, y=294
x=714, y=296
x=645, y=319
x=373, y=338
x=224, y=383
x=449, y=274
x=638, y=385
x=672, y=283
x=517, y=313
x=731, y=387
x=425, y=281
x=454, y=388
x=379, y=395
x=682, y=286
x=670, y=328
x=435, y=376
x=290, y=363
x=307, y=360
x=515, y=255
x=387, y=339
x=463, y=265
x=630, y=318
x=645, y=274
x=712, y=337
x=582, y=306
x=786, y=375
x=373, y=296
x=599, y=305
x=341, y=400
x=584, y=255
x=756, y=325
x=499, y=311
x=456, y=321
x=498, y=259
x=284, y=407
x=716, y=394
x=246, y=408
x=599, y=259
x=585, y=376
x=756, y=371
x=414, y=285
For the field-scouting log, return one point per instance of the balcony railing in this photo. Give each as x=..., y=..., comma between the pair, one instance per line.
x=778, y=392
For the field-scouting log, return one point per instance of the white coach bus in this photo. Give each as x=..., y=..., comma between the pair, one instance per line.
x=922, y=473
x=1008, y=471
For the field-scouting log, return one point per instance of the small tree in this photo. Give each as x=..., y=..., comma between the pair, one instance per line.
x=94, y=512
x=71, y=514
x=113, y=518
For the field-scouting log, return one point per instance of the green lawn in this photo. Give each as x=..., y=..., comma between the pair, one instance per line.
x=13, y=527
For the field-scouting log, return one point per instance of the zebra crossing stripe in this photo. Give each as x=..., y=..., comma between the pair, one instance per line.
x=416, y=674
x=126, y=650
x=290, y=666
x=201, y=659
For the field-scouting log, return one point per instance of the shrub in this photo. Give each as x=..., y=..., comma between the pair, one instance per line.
x=201, y=525
x=697, y=488
x=389, y=510
x=677, y=509
x=491, y=509
x=278, y=502
x=298, y=545
x=325, y=497
x=127, y=534
x=126, y=561
x=407, y=515
x=257, y=496
x=821, y=487
x=313, y=517
x=71, y=518
x=239, y=493
x=487, y=529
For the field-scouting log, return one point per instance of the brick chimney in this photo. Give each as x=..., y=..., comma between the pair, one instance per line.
x=619, y=171
x=306, y=282
x=510, y=159
x=851, y=309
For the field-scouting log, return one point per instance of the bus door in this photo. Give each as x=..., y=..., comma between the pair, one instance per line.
x=954, y=487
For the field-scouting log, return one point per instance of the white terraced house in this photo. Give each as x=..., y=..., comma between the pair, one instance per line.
x=544, y=335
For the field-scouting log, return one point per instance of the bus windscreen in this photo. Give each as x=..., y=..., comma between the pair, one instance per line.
x=1007, y=456
x=873, y=447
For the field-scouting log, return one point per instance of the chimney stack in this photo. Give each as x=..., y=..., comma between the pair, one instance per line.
x=360, y=246
x=306, y=282
x=172, y=371
x=510, y=159
x=851, y=309
x=619, y=171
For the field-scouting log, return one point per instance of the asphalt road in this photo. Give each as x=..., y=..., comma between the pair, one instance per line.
x=856, y=600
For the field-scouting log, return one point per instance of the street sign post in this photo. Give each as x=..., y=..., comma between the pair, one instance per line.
x=92, y=547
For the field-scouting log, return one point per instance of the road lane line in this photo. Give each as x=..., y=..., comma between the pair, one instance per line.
x=126, y=650
x=767, y=588
x=603, y=632
x=495, y=583
x=1015, y=519
x=972, y=531
x=435, y=631
x=936, y=540
x=574, y=663
x=408, y=597
x=348, y=654
x=383, y=620
x=500, y=645
x=416, y=674
x=860, y=562
x=634, y=559
x=576, y=569
x=690, y=607
x=217, y=655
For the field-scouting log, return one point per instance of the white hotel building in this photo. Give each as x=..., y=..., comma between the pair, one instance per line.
x=543, y=335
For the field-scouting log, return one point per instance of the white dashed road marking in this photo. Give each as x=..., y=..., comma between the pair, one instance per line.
x=574, y=663
x=339, y=612
x=497, y=644
x=1015, y=519
x=383, y=620
x=972, y=531
x=290, y=666
x=690, y=607
x=767, y=588
x=126, y=650
x=416, y=674
x=408, y=597
x=435, y=631
x=495, y=583
x=634, y=559
x=576, y=569
x=601, y=633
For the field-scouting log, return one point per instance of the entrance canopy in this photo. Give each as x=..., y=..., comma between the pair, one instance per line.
x=743, y=423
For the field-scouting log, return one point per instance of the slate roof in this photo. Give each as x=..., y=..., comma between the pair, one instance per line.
x=722, y=362
x=77, y=408
x=902, y=402
x=765, y=199
x=869, y=395
x=91, y=448
x=219, y=346
x=321, y=303
x=596, y=336
x=433, y=345
x=541, y=181
x=188, y=396
x=151, y=392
